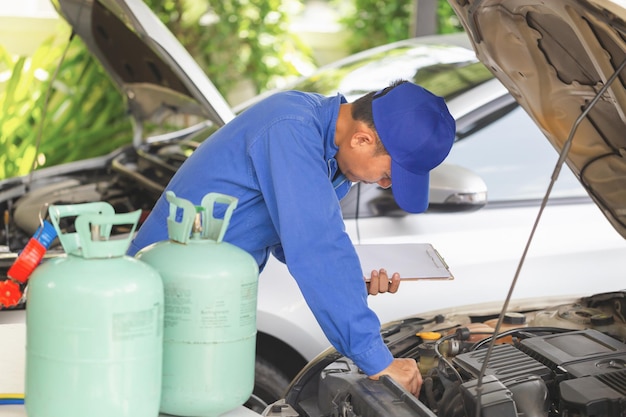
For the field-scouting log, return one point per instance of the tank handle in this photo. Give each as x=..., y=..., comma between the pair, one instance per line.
x=179, y=229
x=71, y=240
x=101, y=245
x=180, y=225
x=215, y=228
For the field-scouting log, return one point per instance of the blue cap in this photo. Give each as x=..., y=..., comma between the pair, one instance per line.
x=45, y=234
x=417, y=131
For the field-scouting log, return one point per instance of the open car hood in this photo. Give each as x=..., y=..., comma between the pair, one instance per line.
x=554, y=57
x=154, y=72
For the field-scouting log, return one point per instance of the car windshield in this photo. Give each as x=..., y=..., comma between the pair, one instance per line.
x=446, y=70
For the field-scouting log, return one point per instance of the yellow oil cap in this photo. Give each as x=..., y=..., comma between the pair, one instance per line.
x=429, y=335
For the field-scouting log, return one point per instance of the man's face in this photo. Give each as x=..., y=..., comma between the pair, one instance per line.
x=361, y=163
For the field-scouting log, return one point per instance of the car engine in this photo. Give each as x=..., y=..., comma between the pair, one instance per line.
x=565, y=360
x=129, y=179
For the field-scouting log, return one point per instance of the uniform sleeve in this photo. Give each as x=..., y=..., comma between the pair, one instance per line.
x=292, y=174
x=278, y=253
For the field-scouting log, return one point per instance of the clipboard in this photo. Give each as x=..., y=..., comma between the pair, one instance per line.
x=414, y=261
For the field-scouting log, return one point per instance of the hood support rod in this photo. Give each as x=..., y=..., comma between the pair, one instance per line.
x=544, y=202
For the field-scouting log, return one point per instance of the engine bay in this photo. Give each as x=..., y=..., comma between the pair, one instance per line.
x=563, y=360
x=129, y=179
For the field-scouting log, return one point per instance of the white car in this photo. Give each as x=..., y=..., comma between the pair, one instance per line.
x=574, y=244
x=535, y=351
x=484, y=199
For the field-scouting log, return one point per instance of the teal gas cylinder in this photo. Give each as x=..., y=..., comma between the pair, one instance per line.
x=210, y=310
x=94, y=323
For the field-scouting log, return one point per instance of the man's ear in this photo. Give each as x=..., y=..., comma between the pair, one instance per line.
x=363, y=136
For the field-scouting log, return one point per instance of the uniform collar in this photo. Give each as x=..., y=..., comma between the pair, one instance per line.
x=332, y=114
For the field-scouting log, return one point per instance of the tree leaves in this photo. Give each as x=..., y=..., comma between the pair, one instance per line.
x=85, y=114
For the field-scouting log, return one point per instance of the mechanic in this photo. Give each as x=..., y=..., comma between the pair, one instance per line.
x=289, y=159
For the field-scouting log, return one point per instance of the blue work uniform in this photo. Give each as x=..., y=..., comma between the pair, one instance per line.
x=278, y=159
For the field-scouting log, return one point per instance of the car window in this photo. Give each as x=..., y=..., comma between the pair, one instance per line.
x=509, y=152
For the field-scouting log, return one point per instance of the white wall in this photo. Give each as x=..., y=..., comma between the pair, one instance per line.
x=25, y=24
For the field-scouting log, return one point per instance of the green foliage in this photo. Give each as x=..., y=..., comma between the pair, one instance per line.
x=377, y=22
x=447, y=20
x=82, y=119
x=235, y=40
x=86, y=116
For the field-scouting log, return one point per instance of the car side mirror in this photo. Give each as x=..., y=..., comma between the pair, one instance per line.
x=455, y=189
x=452, y=189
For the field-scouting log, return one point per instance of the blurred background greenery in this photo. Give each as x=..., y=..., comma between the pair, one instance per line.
x=239, y=43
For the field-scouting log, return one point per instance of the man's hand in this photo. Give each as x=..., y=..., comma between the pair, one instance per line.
x=405, y=372
x=379, y=282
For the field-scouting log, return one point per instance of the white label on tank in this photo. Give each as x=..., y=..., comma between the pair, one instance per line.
x=247, y=312
x=136, y=324
x=215, y=313
x=178, y=302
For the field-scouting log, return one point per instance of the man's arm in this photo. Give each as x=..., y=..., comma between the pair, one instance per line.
x=293, y=175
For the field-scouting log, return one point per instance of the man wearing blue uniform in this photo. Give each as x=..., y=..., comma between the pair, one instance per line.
x=289, y=160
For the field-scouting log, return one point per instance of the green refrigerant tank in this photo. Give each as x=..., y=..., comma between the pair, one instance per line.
x=94, y=321
x=209, y=331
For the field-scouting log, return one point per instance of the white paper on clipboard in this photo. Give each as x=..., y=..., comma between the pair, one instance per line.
x=414, y=261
